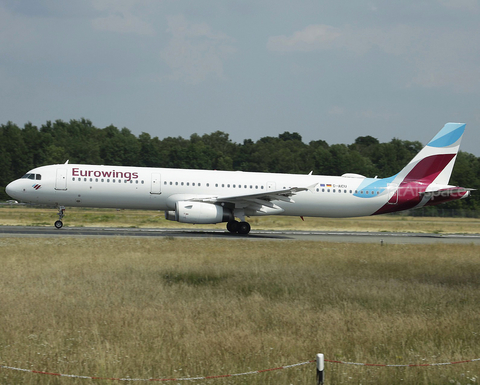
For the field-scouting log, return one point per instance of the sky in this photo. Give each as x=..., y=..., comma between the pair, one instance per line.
x=329, y=70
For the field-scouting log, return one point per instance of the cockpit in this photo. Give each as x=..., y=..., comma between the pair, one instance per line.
x=32, y=176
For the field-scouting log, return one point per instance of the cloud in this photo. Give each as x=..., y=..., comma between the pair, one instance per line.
x=337, y=110
x=195, y=51
x=121, y=17
x=439, y=56
x=311, y=38
x=469, y=5
x=14, y=31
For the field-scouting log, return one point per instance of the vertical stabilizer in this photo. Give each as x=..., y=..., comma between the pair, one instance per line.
x=434, y=163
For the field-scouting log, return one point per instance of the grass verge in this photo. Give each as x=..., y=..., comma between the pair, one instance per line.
x=85, y=217
x=156, y=308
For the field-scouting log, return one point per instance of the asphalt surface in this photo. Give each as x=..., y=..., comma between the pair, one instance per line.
x=323, y=236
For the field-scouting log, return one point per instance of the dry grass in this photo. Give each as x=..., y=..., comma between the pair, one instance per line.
x=29, y=216
x=174, y=308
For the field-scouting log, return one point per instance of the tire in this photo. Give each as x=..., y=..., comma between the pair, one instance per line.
x=58, y=224
x=232, y=226
x=243, y=228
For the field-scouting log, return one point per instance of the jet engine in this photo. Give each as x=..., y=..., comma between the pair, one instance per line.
x=199, y=212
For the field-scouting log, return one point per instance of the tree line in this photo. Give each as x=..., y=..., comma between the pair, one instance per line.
x=79, y=141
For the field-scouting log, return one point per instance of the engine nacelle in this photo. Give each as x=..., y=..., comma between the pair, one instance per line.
x=199, y=212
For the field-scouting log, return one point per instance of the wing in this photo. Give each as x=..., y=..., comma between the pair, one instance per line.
x=256, y=204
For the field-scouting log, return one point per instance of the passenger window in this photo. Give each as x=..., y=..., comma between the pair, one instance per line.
x=73, y=179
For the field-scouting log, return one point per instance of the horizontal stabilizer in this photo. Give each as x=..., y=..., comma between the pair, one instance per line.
x=449, y=192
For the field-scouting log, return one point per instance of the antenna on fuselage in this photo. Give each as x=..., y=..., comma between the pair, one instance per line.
x=67, y=161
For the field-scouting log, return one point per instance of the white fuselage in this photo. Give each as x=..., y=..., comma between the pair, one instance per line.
x=159, y=189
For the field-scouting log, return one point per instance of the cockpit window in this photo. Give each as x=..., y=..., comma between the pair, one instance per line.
x=32, y=176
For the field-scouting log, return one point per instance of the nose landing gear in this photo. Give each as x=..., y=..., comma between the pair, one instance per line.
x=61, y=213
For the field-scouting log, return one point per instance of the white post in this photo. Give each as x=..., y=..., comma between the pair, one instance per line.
x=320, y=368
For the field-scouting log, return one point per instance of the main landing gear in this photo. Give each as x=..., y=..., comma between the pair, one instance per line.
x=238, y=227
x=61, y=213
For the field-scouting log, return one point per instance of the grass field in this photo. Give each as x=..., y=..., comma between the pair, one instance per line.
x=162, y=308
x=30, y=216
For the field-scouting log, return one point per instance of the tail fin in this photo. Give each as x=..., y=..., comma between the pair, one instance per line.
x=434, y=163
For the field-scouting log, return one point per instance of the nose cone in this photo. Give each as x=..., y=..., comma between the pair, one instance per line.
x=12, y=189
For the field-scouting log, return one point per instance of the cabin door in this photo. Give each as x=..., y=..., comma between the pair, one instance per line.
x=61, y=180
x=394, y=198
x=155, y=186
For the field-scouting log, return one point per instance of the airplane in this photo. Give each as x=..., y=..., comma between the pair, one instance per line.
x=208, y=197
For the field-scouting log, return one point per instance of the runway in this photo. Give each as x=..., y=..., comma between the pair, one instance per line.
x=316, y=236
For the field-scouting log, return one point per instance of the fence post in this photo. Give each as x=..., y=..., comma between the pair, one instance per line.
x=320, y=369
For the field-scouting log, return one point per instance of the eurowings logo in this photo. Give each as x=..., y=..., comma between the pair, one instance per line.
x=36, y=186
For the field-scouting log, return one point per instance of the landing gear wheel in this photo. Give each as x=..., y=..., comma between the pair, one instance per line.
x=243, y=228
x=232, y=226
x=61, y=213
